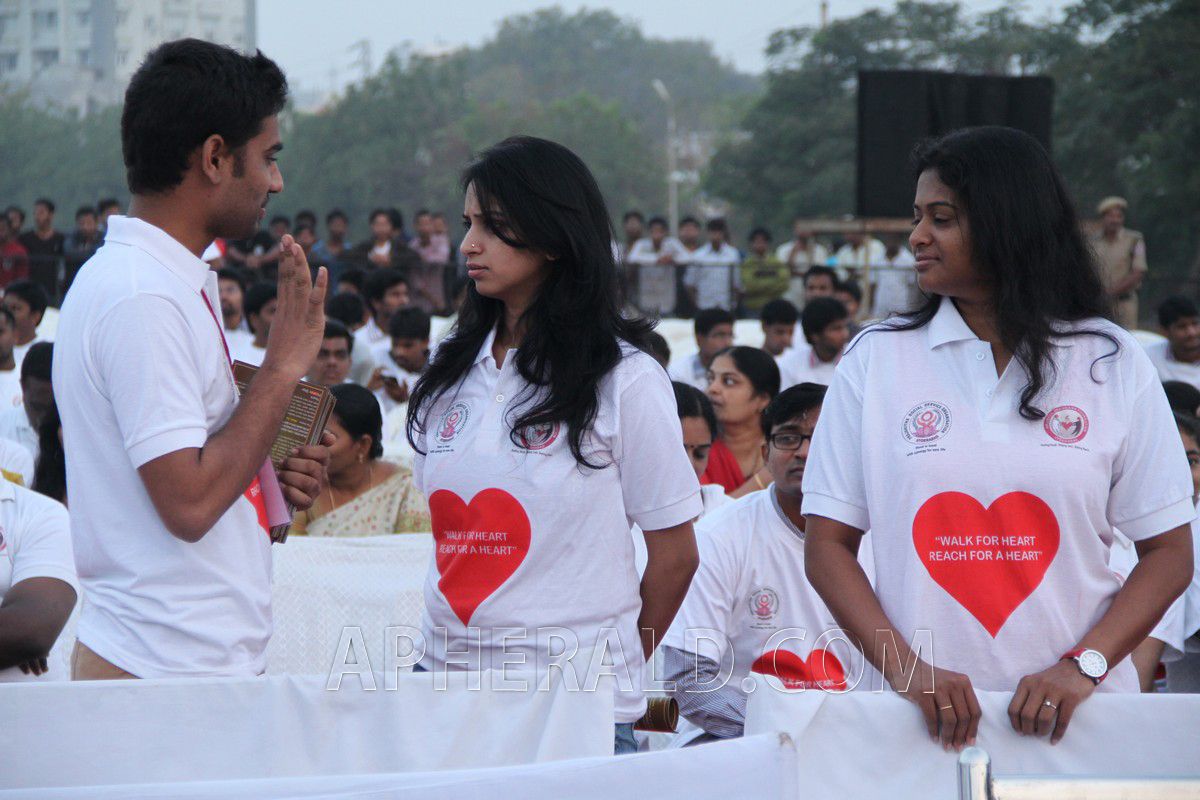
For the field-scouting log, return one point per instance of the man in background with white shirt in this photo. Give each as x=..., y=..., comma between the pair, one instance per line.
x=21, y=424
x=714, y=332
x=27, y=302
x=167, y=513
x=332, y=365
x=654, y=258
x=10, y=374
x=232, y=286
x=259, y=305
x=779, y=318
x=895, y=281
x=1178, y=357
x=801, y=253
x=714, y=279
x=826, y=326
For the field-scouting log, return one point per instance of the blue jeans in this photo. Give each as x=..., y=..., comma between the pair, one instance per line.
x=624, y=742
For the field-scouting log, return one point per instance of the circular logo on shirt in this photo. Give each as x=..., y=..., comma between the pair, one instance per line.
x=538, y=437
x=926, y=423
x=764, y=604
x=452, y=422
x=1066, y=424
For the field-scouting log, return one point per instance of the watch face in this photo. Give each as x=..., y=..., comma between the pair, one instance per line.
x=1092, y=664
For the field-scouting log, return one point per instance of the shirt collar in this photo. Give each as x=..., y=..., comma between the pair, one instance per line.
x=485, y=351
x=791, y=526
x=161, y=246
x=948, y=326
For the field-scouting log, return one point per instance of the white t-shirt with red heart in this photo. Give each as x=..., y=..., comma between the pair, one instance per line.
x=751, y=609
x=528, y=539
x=992, y=531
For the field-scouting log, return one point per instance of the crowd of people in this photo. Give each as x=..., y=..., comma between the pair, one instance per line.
x=991, y=461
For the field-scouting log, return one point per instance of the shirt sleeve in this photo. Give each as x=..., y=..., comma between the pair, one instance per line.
x=44, y=541
x=1152, y=485
x=834, y=479
x=149, y=369
x=720, y=711
x=658, y=484
x=1139, y=256
x=702, y=625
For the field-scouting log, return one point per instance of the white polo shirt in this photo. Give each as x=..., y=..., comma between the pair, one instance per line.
x=799, y=364
x=527, y=538
x=990, y=530
x=140, y=371
x=714, y=274
x=1168, y=368
x=35, y=542
x=751, y=609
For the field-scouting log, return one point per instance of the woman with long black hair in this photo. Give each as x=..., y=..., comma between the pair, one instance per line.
x=542, y=431
x=991, y=442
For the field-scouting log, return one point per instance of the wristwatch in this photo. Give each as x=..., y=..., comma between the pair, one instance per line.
x=1091, y=663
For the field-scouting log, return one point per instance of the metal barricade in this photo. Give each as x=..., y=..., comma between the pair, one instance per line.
x=976, y=782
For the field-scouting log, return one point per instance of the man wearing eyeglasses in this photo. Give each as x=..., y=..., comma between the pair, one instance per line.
x=750, y=607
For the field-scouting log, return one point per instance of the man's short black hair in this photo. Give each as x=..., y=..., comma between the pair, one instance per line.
x=757, y=232
x=84, y=211
x=184, y=92
x=377, y=212
x=819, y=313
x=658, y=221
x=44, y=201
x=32, y=293
x=335, y=329
x=281, y=219
x=409, y=323
x=257, y=296
x=633, y=215
x=106, y=204
x=779, y=312
x=1175, y=308
x=717, y=224
x=302, y=228
x=306, y=216
x=337, y=213
x=347, y=308
x=821, y=269
x=235, y=275
x=850, y=287
x=38, y=362
x=709, y=318
x=355, y=277
x=790, y=404
x=378, y=282
x=689, y=221
x=15, y=210
x=1182, y=396
x=422, y=212
x=1187, y=423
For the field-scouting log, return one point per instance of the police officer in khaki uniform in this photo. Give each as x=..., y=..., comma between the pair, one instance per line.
x=1121, y=257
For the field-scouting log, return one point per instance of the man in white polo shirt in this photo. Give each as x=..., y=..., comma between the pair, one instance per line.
x=750, y=608
x=825, y=323
x=166, y=512
x=1177, y=358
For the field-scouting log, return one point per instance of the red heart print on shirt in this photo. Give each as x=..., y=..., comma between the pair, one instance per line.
x=988, y=559
x=479, y=545
x=821, y=670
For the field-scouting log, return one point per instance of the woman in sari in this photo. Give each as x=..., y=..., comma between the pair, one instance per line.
x=366, y=496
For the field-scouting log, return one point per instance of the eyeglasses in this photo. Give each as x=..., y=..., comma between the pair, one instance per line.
x=788, y=441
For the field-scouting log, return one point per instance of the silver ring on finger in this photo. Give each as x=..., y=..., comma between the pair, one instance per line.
x=1048, y=704
x=945, y=708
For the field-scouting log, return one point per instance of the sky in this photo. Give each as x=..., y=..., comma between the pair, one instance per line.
x=313, y=39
